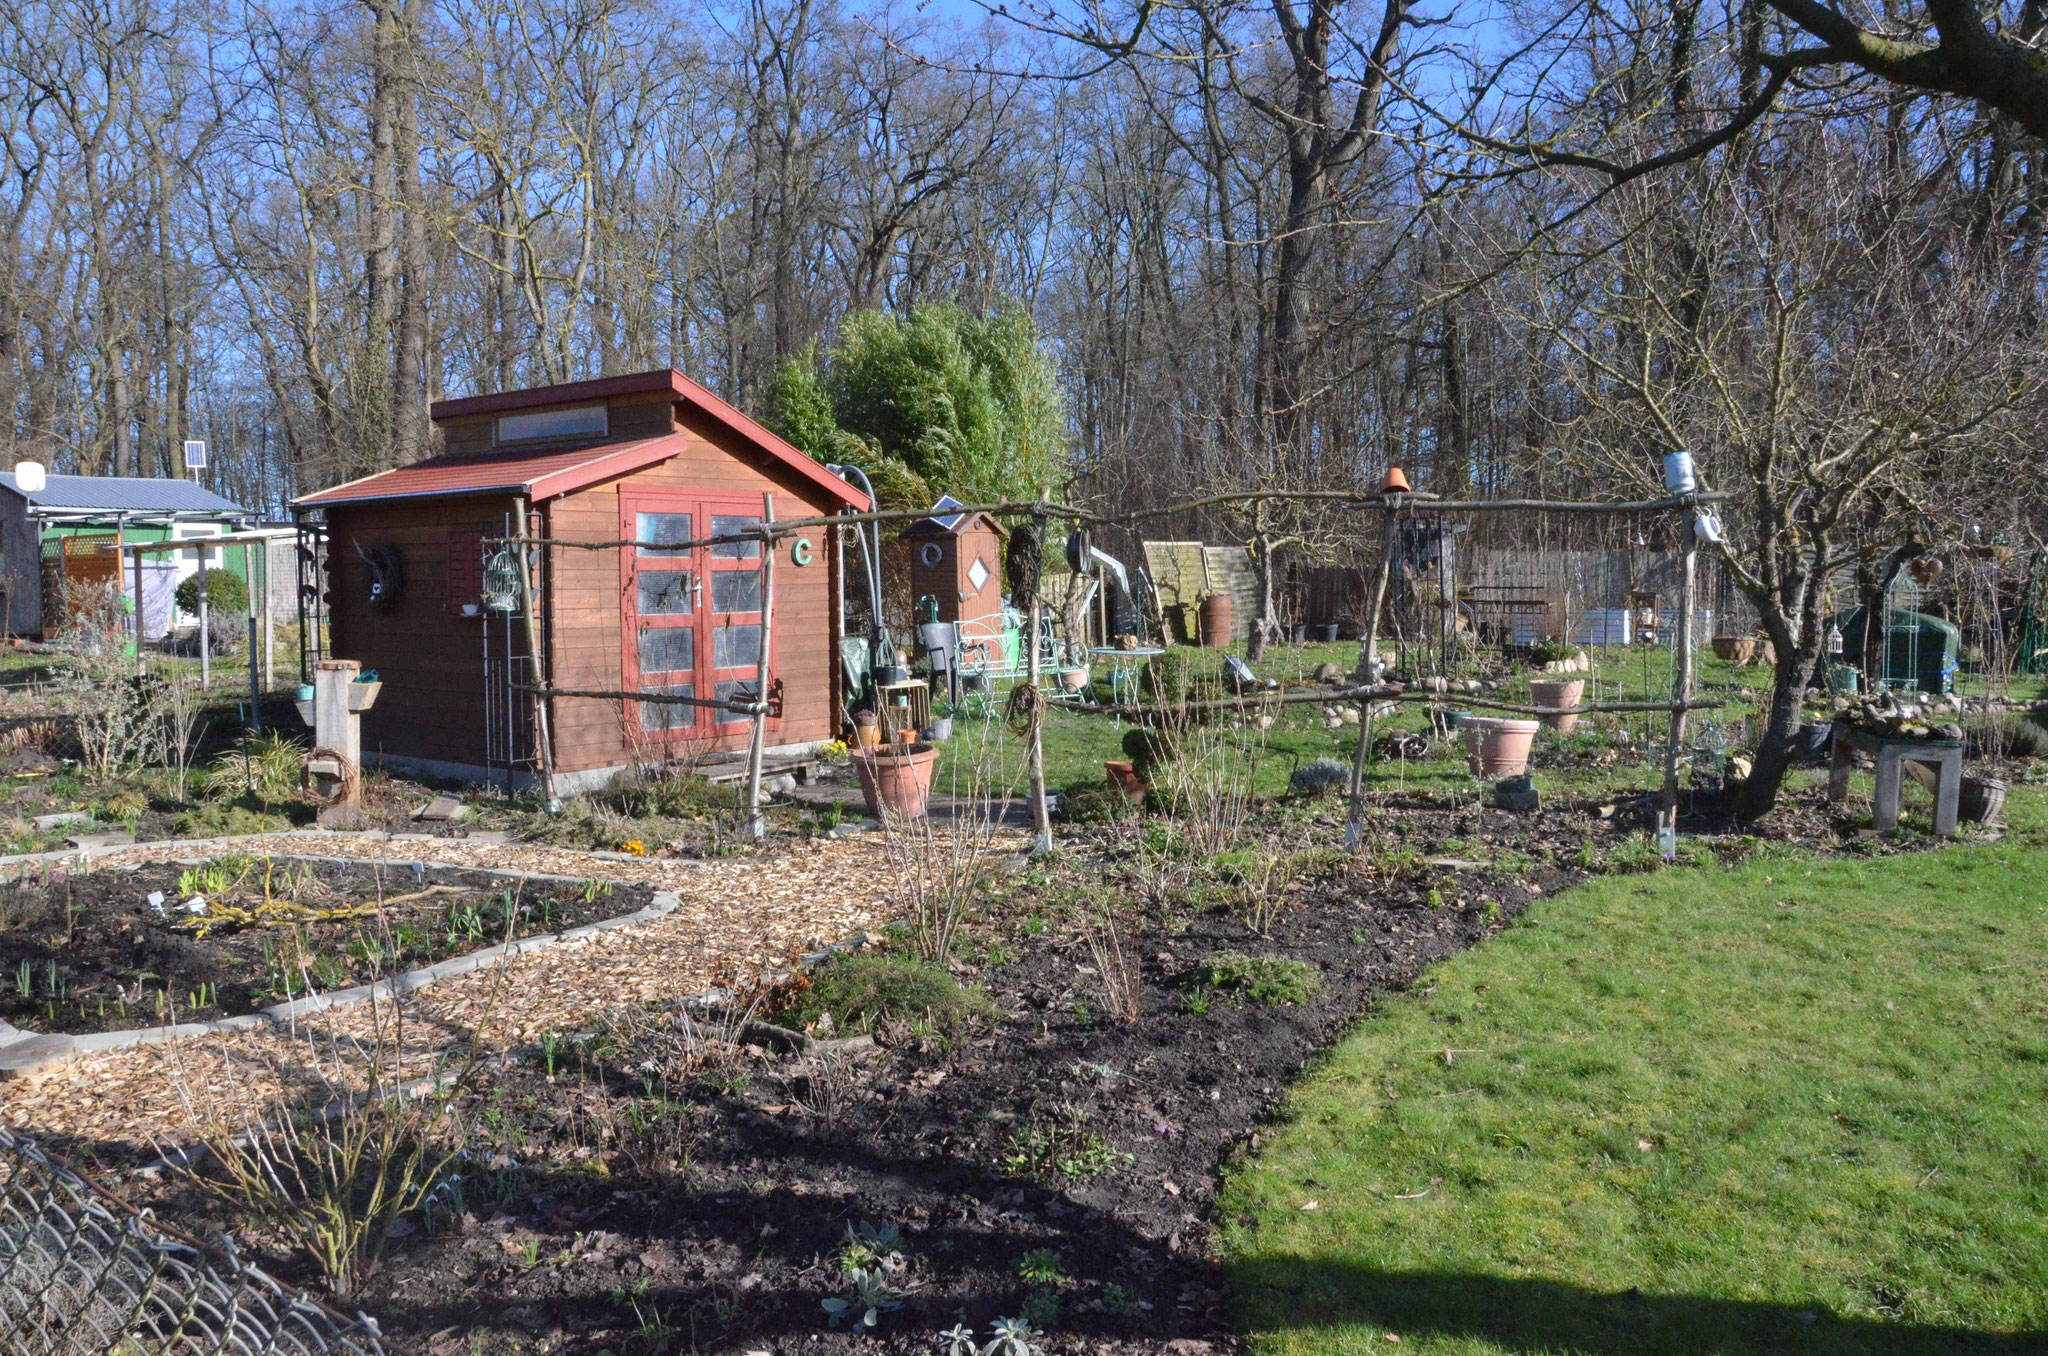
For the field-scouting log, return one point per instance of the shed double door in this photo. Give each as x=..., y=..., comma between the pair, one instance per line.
x=693, y=625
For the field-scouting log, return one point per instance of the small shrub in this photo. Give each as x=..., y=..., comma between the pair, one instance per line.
x=269, y=765
x=1271, y=980
x=123, y=806
x=859, y=991
x=215, y=819
x=1319, y=777
x=1067, y=1147
x=1094, y=803
x=1041, y=1309
x=226, y=594
x=1042, y=1266
x=2010, y=737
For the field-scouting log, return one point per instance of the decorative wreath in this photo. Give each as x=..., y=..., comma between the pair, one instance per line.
x=383, y=575
x=931, y=553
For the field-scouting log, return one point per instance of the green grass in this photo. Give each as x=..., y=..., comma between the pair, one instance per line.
x=1790, y=1106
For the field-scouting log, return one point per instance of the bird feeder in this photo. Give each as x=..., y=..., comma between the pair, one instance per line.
x=341, y=693
x=1642, y=617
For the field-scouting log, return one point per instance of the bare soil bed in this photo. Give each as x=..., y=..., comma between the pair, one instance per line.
x=86, y=950
x=619, y=1198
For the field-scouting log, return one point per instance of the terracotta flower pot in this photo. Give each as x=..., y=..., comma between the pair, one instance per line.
x=897, y=780
x=1500, y=748
x=1074, y=679
x=1735, y=649
x=1124, y=778
x=866, y=733
x=1558, y=692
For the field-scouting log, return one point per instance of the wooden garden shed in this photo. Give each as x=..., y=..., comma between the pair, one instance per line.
x=411, y=592
x=956, y=560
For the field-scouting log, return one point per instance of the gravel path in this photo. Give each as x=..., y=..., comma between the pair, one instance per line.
x=738, y=915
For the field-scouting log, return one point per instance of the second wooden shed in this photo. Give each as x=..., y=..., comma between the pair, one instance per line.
x=653, y=457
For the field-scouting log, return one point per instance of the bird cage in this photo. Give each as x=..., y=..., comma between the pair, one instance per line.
x=501, y=581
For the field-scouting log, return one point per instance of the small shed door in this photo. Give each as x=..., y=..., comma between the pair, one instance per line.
x=694, y=625
x=660, y=611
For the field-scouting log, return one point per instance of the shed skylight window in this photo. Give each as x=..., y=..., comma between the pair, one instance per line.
x=580, y=422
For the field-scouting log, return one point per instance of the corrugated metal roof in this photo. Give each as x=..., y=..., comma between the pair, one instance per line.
x=537, y=475
x=135, y=494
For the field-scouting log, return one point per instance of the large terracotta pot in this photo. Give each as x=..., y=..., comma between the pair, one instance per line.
x=1124, y=778
x=1500, y=748
x=1075, y=679
x=1558, y=692
x=1215, y=627
x=897, y=780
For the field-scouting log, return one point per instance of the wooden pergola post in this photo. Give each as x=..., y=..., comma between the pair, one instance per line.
x=1368, y=656
x=1681, y=685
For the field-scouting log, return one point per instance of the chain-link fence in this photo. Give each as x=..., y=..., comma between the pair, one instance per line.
x=81, y=1274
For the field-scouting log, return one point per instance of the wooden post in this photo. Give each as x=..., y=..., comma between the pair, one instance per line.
x=339, y=731
x=1368, y=656
x=1681, y=686
x=269, y=625
x=205, y=640
x=543, y=745
x=138, y=612
x=255, y=686
x=757, y=824
x=1041, y=814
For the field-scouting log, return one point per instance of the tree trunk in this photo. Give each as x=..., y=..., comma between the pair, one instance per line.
x=380, y=254
x=1793, y=675
x=408, y=377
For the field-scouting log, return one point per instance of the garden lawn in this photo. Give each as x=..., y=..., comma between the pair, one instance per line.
x=1791, y=1106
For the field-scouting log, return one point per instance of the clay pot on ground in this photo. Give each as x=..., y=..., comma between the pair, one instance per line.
x=866, y=732
x=1558, y=692
x=898, y=780
x=1735, y=649
x=1124, y=777
x=1499, y=748
x=1074, y=679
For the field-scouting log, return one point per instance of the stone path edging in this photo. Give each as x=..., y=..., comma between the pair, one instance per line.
x=24, y=1053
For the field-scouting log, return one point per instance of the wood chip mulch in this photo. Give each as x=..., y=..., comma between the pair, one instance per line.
x=738, y=916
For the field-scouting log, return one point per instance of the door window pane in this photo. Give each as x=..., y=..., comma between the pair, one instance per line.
x=661, y=527
x=734, y=647
x=746, y=689
x=735, y=591
x=665, y=716
x=668, y=649
x=735, y=550
x=664, y=593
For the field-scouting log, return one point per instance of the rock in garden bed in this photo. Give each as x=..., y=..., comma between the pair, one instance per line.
x=133, y=946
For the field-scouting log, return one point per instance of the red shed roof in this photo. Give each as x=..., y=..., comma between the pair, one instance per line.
x=545, y=474
x=537, y=475
x=679, y=388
